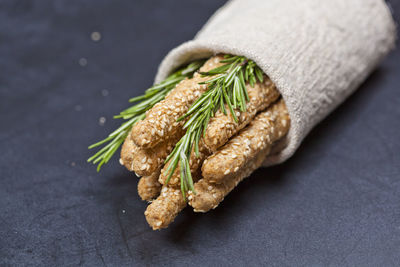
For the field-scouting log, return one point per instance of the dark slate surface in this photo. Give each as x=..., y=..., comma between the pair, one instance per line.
x=336, y=202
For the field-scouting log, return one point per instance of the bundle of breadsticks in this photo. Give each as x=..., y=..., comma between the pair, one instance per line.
x=229, y=151
x=300, y=59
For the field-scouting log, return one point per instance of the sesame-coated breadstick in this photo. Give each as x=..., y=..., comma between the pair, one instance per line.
x=148, y=187
x=161, y=120
x=128, y=150
x=267, y=127
x=222, y=127
x=163, y=210
x=209, y=195
x=144, y=161
x=248, y=149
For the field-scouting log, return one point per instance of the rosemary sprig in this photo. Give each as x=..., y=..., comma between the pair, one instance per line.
x=225, y=88
x=137, y=112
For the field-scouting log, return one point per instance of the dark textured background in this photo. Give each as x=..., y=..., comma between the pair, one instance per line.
x=336, y=202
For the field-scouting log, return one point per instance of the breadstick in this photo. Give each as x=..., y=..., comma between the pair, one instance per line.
x=149, y=187
x=128, y=150
x=222, y=127
x=250, y=149
x=261, y=95
x=161, y=121
x=209, y=195
x=163, y=210
x=267, y=127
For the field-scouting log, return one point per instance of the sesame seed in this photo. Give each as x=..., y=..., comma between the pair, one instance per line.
x=104, y=92
x=226, y=171
x=102, y=121
x=121, y=161
x=95, y=36
x=83, y=62
x=209, y=187
x=158, y=223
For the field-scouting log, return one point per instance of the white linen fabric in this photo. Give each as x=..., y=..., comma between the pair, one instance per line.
x=317, y=52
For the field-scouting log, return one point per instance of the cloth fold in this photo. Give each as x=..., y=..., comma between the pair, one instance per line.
x=316, y=52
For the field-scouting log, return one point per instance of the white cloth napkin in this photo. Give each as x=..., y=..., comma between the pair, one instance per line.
x=317, y=52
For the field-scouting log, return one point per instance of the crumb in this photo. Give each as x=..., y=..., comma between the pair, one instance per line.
x=102, y=121
x=83, y=61
x=104, y=92
x=95, y=36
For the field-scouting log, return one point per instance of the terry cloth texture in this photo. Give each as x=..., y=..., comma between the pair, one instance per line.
x=316, y=52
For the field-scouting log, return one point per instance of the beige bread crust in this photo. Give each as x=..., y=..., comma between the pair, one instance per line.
x=222, y=127
x=266, y=128
x=148, y=186
x=160, y=120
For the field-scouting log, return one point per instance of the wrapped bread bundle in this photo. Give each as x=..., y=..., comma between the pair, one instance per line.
x=260, y=76
x=316, y=53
